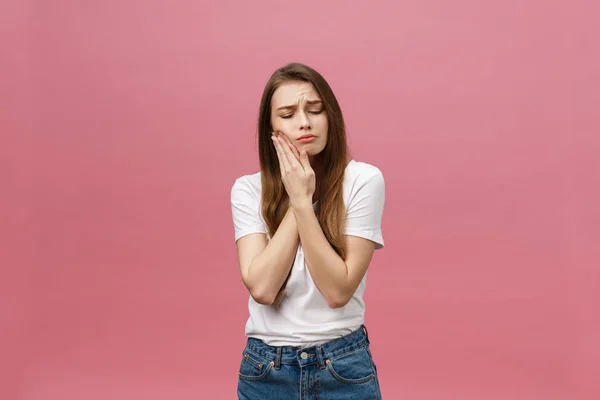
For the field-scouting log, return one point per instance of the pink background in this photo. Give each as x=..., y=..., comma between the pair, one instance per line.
x=124, y=124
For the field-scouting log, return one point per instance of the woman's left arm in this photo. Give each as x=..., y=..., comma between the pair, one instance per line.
x=335, y=278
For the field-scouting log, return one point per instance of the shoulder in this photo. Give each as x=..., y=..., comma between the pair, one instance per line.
x=359, y=173
x=250, y=184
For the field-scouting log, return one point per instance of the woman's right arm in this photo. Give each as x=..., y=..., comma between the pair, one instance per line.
x=264, y=264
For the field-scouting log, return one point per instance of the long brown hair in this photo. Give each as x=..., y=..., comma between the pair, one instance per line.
x=331, y=211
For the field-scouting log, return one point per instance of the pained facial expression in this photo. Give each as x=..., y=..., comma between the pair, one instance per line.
x=298, y=112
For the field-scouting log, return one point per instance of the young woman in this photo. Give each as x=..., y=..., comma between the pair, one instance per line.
x=306, y=227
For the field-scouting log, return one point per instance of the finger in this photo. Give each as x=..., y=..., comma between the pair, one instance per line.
x=292, y=147
x=287, y=142
x=279, y=156
x=287, y=150
x=282, y=154
x=305, y=161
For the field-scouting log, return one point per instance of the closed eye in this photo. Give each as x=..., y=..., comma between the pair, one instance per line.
x=288, y=116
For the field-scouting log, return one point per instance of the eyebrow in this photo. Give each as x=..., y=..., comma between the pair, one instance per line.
x=309, y=102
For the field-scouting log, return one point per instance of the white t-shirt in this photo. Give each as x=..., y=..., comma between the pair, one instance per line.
x=303, y=318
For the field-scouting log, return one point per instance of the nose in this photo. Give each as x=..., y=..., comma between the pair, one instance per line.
x=304, y=123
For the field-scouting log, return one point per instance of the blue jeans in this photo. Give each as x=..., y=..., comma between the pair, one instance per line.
x=339, y=369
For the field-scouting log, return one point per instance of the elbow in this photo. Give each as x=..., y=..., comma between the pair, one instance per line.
x=259, y=292
x=337, y=300
x=265, y=300
x=263, y=297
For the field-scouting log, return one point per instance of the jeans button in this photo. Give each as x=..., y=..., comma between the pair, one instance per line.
x=304, y=355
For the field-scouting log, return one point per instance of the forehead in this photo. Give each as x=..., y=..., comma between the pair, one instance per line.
x=292, y=92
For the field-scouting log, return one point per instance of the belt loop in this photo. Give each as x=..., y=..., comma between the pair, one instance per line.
x=320, y=357
x=366, y=333
x=278, y=358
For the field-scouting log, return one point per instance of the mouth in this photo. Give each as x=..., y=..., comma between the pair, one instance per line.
x=306, y=138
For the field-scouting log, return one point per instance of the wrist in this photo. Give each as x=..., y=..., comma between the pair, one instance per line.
x=289, y=213
x=301, y=206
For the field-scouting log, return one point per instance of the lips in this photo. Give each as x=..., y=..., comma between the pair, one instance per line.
x=307, y=139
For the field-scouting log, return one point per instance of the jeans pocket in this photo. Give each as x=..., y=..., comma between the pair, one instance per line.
x=254, y=367
x=352, y=368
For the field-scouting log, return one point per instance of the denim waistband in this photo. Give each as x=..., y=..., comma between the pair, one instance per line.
x=313, y=354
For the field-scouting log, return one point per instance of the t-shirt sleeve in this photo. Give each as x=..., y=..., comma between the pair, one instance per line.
x=245, y=209
x=365, y=210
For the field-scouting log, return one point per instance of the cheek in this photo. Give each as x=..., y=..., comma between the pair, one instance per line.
x=321, y=123
x=277, y=125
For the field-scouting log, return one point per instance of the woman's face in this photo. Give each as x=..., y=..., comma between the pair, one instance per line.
x=298, y=112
